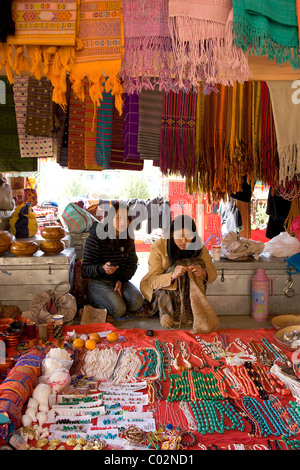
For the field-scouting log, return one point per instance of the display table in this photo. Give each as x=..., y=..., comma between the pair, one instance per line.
x=230, y=293
x=21, y=278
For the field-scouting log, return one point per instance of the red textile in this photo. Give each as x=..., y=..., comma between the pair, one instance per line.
x=138, y=338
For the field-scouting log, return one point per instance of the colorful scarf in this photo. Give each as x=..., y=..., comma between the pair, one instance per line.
x=40, y=108
x=177, y=150
x=267, y=28
x=30, y=145
x=131, y=126
x=89, y=131
x=76, y=147
x=101, y=33
x=44, y=42
x=150, y=116
x=117, y=155
x=206, y=26
x=10, y=157
x=148, y=46
x=269, y=166
x=286, y=117
x=103, y=133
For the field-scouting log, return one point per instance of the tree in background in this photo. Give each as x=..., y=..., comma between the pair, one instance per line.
x=134, y=186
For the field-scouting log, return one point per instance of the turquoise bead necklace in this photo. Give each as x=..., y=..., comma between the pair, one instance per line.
x=211, y=416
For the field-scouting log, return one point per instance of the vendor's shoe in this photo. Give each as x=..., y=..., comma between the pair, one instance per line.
x=166, y=321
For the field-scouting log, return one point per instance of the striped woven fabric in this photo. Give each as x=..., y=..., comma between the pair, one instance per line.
x=177, y=152
x=76, y=130
x=38, y=23
x=89, y=131
x=104, y=130
x=150, y=117
x=131, y=126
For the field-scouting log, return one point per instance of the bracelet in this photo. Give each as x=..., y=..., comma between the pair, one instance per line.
x=188, y=443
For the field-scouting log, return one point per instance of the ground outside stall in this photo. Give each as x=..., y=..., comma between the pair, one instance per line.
x=168, y=412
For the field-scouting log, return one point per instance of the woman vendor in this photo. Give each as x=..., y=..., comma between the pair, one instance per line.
x=179, y=267
x=109, y=262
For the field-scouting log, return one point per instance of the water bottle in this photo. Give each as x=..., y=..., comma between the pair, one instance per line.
x=260, y=295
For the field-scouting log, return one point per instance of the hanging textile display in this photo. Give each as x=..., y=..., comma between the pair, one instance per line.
x=76, y=133
x=10, y=157
x=103, y=133
x=40, y=108
x=62, y=116
x=44, y=42
x=269, y=161
x=267, y=28
x=286, y=118
x=148, y=58
x=150, y=116
x=89, y=130
x=177, y=151
x=102, y=36
x=206, y=26
x=118, y=136
x=131, y=126
x=30, y=145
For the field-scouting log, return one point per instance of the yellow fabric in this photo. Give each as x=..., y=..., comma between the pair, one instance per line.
x=158, y=263
x=100, y=58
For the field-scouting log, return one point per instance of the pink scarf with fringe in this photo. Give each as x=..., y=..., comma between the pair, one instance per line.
x=148, y=59
x=203, y=43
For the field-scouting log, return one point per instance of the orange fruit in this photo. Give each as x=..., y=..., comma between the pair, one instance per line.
x=95, y=337
x=112, y=336
x=90, y=344
x=78, y=343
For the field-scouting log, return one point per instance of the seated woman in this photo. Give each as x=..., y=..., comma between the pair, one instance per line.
x=109, y=262
x=179, y=267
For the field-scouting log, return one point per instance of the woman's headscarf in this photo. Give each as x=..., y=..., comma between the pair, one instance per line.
x=194, y=248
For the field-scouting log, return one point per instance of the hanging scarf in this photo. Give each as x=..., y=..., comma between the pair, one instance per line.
x=150, y=115
x=89, y=130
x=148, y=47
x=286, y=118
x=267, y=28
x=40, y=108
x=30, y=145
x=103, y=133
x=177, y=150
x=206, y=26
x=44, y=42
x=117, y=161
x=269, y=162
x=10, y=157
x=131, y=126
x=101, y=33
x=76, y=148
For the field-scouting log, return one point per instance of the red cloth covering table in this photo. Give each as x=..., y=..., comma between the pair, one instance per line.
x=170, y=412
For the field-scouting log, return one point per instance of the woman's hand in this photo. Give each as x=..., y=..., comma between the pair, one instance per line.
x=198, y=271
x=118, y=288
x=109, y=269
x=178, y=271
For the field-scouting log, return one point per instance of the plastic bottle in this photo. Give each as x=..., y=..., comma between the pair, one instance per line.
x=260, y=295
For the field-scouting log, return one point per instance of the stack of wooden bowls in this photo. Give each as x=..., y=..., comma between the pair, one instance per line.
x=24, y=248
x=52, y=243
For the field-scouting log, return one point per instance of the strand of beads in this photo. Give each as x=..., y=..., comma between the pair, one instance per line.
x=255, y=378
x=212, y=415
x=149, y=363
x=162, y=373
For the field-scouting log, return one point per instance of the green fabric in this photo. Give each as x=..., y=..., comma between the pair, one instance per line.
x=10, y=157
x=262, y=27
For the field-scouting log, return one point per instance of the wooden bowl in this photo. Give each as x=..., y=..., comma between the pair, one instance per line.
x=6, y=240
x=53, y=233
x=280, y=321
x=27, y=248
x=52, y=247
x=278, y=336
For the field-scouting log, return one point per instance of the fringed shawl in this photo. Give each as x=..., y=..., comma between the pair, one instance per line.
x=104, y=129
x=44, y=43
x=269, y=161
x=148, y=59
x=202, y=41
x=101, y=33
x=131, y=126
x=286, y=117
x=177, y=151
x=267, y=28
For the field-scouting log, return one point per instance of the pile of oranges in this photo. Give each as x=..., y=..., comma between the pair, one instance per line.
x=90, y=343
